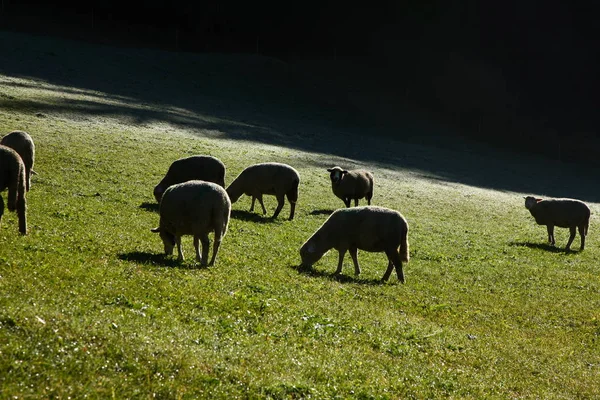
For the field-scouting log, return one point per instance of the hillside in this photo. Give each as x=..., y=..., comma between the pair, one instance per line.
x=89, y=306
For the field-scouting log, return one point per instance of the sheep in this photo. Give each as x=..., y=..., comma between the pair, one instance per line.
x=271, y=178
x=369, y=228
x=22, y=143
x=565, y=213
x=194, y=208
x=205, y=168
x=354, y=184
x=12, y=176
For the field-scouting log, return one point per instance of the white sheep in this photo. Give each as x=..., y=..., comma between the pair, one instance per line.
x=204, y=168
x=194, y=208
x=564, y=213
x=22, y=143
x=12, y=177
x=369, y=228
x=271, y=178
x=348, y=185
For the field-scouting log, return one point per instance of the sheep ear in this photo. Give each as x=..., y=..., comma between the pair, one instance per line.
x=329, y=169
x=538, y=200
x=344, y=172
x=155, y=230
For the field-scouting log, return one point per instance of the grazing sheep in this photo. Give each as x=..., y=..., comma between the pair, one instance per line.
x=276, y=179
x=194, y=208
x=348, y=185
x=204, y=168
x=369, y=228
x=22, y=143
x=565, y=213
x=12, y=176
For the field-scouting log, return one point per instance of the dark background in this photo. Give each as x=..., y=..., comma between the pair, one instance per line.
x=516, y=74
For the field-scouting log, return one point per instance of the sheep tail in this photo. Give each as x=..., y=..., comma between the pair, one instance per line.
x=404, y=256
x=587, y=224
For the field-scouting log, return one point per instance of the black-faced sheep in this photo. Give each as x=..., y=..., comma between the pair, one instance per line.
x=204, y=168
x=348, y=185
x=368, y=228
x=12, y=177
x=276, y=179
x=22, y=143
x=194, y=208
x=564, y=213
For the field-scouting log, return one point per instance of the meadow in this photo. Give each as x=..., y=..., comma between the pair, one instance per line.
x=91, y=308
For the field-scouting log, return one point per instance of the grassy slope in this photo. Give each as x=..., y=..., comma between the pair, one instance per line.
x=88, y=306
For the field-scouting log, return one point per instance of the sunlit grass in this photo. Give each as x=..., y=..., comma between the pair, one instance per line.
x=90, y=307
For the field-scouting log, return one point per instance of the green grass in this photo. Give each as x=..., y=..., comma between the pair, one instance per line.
x=89, y=307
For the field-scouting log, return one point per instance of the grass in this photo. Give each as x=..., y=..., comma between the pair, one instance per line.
x=89, y=307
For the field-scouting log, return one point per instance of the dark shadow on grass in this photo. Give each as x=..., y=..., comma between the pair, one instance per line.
x=321, y=212
x=157, y=259
x=543, y=246
x=260, y=100
x=253, y=217
x=154, y=207
x=333, y=277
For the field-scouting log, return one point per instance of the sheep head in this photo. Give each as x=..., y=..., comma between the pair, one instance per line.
x=167, y=238
x=531, y=201
x=158, y=192
x=309, y=253
x=336, y=174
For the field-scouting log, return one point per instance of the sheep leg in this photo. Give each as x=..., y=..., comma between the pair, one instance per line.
x=573, y=230
x=394, y=261
x=205, y=244
x=260, y=201
x=369, y=197
x=347, y=202
x=582, y=234
x=22, y=214
x=280, y=203
x=216, y=246
x=551, y=234
x=292, y=197
x=27, y=178
x=252, y=205
x=292, y=209
x=179, y=250
x=342, y=253
x=196, y=246
x=388, y=272
x=354, y=255
x=356, y=202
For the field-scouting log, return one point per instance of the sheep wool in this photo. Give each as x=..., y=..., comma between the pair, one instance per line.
x=23, y=144
x=280, y=180
x=204, y=168
x=194, y=208
x=368, y=228
x=12, y=177
x=564, y=213
x=348, y=185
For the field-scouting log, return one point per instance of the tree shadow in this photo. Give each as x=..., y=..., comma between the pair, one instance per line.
x=159, y=259
x=322, y=212
x=154, y=207
x=543, y=246
x=311, y=271
x=253, y=217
